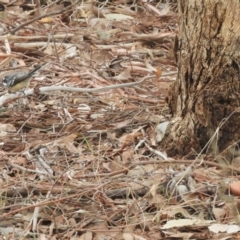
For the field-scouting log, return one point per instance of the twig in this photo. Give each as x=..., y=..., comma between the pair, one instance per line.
x=158, y=153
x=43, y=16
x=27, y=169
x=48, y=202
x=41, y=44
x=40, y=37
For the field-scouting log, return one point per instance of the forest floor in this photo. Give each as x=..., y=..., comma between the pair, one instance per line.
x=88, y=165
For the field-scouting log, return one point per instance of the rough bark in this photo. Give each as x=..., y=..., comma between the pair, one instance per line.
x=205, y=98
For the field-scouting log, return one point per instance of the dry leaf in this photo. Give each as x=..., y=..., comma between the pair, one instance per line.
x=7, y=127
x=158, y=72
x=128, y=236
x=46, y=20
x=129, y=138
x=117, y=17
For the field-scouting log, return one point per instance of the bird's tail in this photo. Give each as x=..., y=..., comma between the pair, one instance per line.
x=31, y=72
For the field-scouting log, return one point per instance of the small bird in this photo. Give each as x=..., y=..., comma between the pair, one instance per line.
x=19, y=80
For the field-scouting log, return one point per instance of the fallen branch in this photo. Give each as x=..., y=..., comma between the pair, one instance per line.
x=31, y=38
x=4, y=98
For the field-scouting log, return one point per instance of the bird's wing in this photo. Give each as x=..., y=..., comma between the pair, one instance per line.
x=9, y=80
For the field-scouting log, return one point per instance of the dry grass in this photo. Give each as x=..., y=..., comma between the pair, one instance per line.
x=79, y=165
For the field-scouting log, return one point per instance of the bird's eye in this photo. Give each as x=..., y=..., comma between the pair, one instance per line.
x=4, y=81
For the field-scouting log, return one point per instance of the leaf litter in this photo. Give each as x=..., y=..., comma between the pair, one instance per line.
x=87, y=165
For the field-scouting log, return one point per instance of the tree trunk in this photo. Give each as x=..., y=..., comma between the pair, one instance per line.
x=205, y=98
